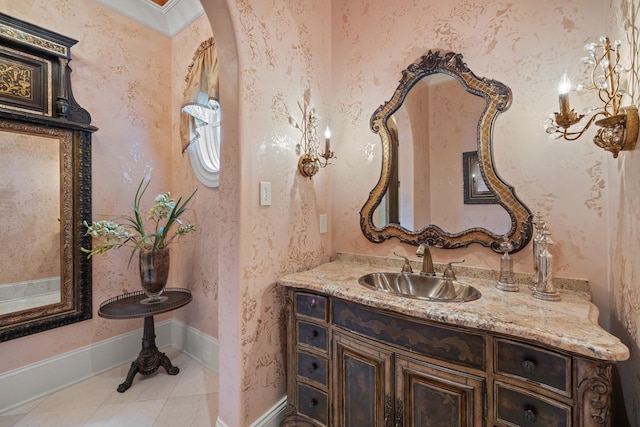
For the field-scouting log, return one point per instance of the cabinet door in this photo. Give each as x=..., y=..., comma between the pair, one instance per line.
x=362, y=384
x=432, y=396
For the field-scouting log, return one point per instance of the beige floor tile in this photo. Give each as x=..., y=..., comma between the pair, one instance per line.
x=196, y=380
x=158, y=385
x=189, y=411
x=57, y=418
x=187, y=399
x=26, y=408
x=10, y=420
x=87, y=394
x=138, y=414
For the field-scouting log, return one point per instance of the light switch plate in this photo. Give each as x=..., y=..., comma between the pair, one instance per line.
x=265, y=193
x=323, y=223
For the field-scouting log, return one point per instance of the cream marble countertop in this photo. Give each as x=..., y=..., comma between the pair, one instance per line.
x=570, y=324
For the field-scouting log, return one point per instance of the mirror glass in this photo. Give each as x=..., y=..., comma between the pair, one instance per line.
x=29, y=221
x=45, y=194
x=435, y=125
x=45, y=184
x=438, y=184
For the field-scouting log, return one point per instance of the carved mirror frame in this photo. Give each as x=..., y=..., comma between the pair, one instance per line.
x=36, y=99
x=498, y=98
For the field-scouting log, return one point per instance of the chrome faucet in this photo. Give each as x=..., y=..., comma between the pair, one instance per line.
x=427, y=263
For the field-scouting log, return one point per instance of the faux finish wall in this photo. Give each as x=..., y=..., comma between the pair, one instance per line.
x=283, y=56
x=196, y=260
x=624, y=205
x=348, y=56
x=527, y=46
x=121, y=75
x=589, y=199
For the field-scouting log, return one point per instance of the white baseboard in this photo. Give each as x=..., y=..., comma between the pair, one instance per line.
x=198, y=345
x=33, y=381
x=271, y=418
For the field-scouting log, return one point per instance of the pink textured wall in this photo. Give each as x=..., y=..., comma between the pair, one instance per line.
x=624, y=205
x=112, y=64
x=196, y=265
x=283, y=51
x=349, y=56
x=527, y=46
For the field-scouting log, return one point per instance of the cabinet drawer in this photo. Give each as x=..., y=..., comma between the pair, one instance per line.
x=519, y=408
x=449, y=344
x=312, y=403
x=313, y=335
x=312, y=367
x=311, y=305
x=535, y=364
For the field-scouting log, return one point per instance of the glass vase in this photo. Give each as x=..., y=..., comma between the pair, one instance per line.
x=154, y=272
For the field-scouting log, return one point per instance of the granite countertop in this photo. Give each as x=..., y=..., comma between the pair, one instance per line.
x=570, y=324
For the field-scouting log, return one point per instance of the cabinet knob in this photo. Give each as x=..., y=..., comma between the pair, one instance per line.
x=314, y=334
x=530, y=416
x=313, y=303
x=313, y=367
x=529, y=366
x=313, y=402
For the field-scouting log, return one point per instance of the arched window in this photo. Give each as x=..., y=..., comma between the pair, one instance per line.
x=200, y=115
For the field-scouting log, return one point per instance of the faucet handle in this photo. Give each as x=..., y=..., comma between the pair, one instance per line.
x=421, y=249
x=406, y=268
x=448, y=273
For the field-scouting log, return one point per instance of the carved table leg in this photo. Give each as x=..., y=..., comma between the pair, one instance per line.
x=149, y=359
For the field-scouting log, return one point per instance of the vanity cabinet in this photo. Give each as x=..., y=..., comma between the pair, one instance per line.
x=351, y=365
x=367, y=377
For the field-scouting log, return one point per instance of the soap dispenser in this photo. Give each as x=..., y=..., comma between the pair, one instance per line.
x=538, y=224
x=545, y=288
x=505, y=281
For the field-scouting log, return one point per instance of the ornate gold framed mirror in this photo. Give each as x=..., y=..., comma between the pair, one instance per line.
x=441, y=113
x=45, y=184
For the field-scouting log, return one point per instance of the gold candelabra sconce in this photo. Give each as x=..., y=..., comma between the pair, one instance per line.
x=311, y=159
x=618, y=125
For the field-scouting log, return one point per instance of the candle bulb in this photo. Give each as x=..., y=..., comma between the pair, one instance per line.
x=563, y=89
x=327, y=140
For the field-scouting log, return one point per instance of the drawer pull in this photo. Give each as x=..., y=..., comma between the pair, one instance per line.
x=313, y=303
x=530, y=416
x=528, y=366
x=313, y=402
x=313, y=367
x=314, y=334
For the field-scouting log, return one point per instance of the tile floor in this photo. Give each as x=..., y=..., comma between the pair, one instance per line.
x=189, y=399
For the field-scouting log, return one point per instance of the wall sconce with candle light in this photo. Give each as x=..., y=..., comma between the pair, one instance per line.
x=618, y=125
x=311, y=160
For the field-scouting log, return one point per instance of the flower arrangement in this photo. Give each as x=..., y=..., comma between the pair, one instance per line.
x=164, y=213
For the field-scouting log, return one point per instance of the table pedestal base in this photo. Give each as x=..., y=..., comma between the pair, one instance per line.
x=149, y=359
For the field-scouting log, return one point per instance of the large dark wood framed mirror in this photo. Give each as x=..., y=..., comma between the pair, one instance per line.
x=45, y=184
x=440, y=116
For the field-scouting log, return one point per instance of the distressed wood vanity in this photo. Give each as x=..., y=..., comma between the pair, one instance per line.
x=360, y=357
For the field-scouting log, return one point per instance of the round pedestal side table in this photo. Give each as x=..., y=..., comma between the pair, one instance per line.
x=128, y=306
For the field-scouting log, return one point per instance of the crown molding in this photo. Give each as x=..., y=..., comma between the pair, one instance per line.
x=169, y=19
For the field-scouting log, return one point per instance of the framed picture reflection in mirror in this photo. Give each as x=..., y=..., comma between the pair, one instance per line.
x=476, y=190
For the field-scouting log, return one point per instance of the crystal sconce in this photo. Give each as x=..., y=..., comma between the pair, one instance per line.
x=311, y=160
x=618, y=125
